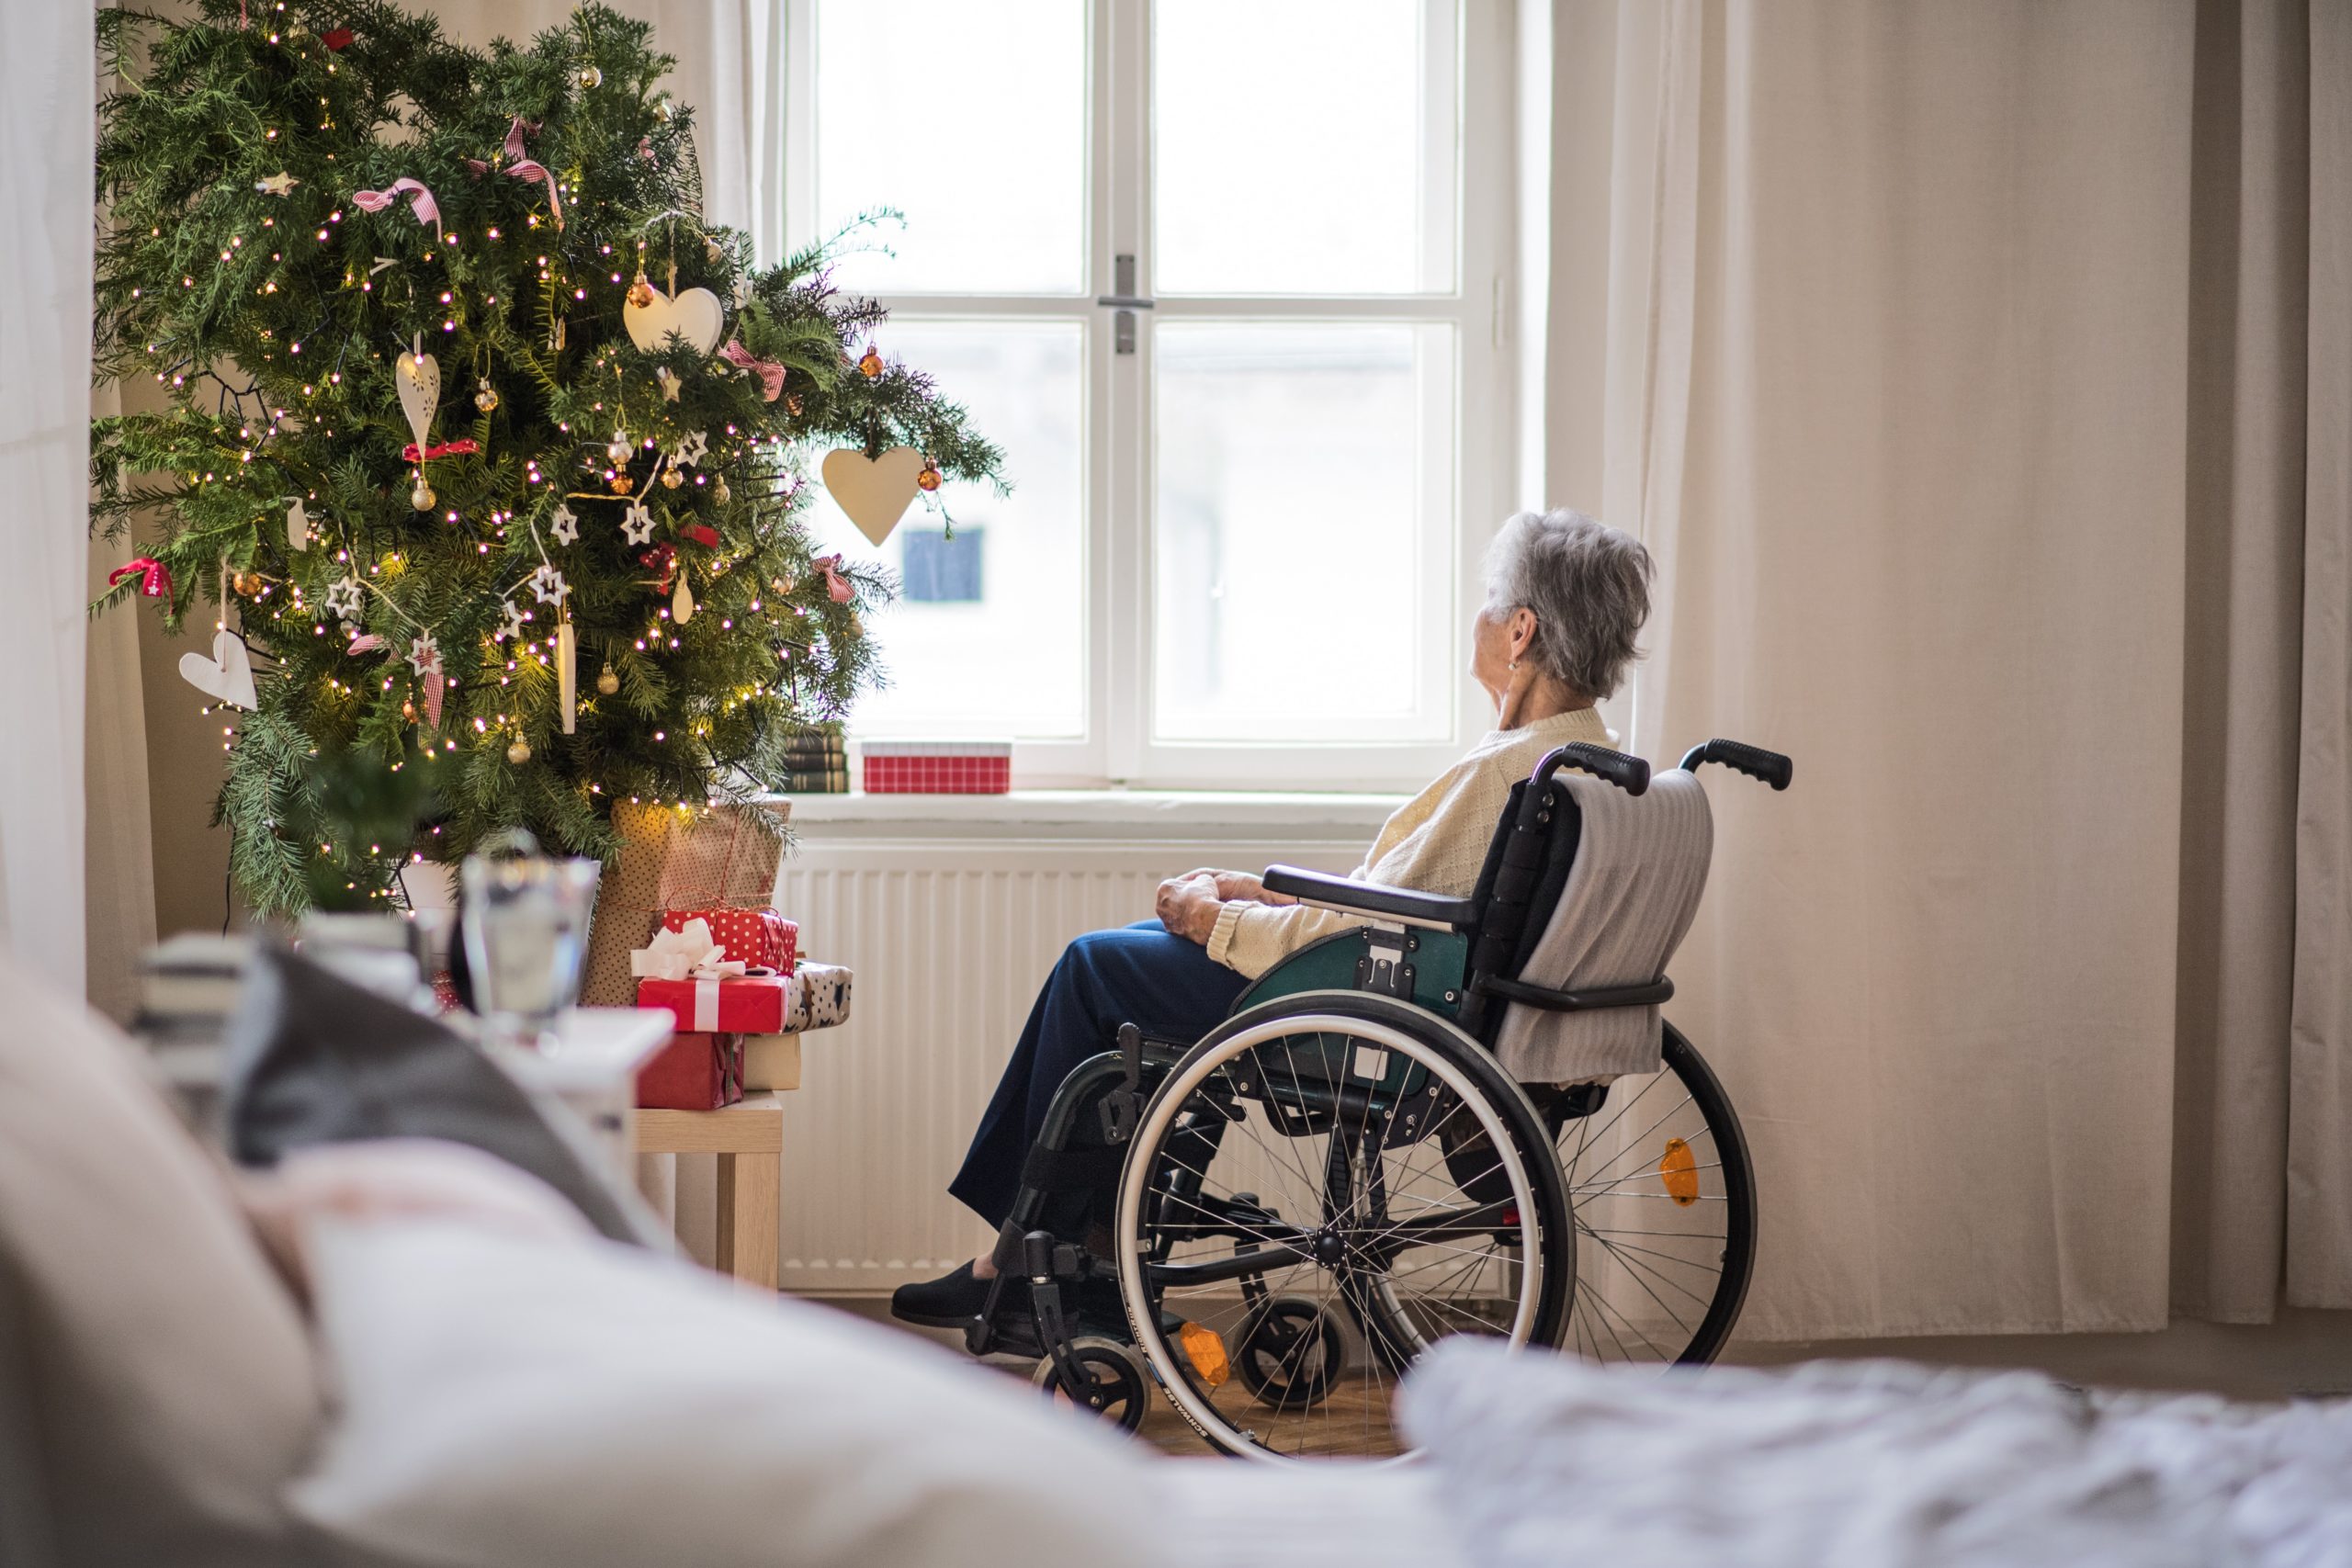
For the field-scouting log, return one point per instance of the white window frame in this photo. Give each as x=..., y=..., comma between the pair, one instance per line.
x=1118, y=747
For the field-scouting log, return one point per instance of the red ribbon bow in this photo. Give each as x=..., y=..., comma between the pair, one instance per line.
x=519, y=167
x=835, y=584
x=460, y=449
x=420, y=202
x=154, y=576
x=770, y=373
x=702, y=533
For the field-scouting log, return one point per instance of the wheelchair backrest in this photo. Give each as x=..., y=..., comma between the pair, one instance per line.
x=1591, y=892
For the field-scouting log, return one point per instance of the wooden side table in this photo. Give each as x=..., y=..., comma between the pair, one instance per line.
x=748, y=1138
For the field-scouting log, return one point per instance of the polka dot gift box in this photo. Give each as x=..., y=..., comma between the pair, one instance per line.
x=757, y=938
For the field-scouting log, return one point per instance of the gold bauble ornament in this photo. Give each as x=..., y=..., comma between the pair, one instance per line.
x=487, y=399
x=640, y=293
x=719, y=492
x=619, y=450
x=792, y=404
x=608, y=683
x=422, y=497
x=663, y=109
x=408, y=711
x=247, y=584
x=519, y=753
x=623, y=484
x=870, y=367
x=672, y=479
x=590, y=77
x=929, y=479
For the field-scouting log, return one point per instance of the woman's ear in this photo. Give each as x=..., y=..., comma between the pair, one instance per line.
x=1522, y=632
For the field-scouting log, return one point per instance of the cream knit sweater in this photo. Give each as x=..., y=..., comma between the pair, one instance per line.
x=1436, y=842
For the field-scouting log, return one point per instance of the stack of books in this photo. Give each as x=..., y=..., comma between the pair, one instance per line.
x=815, y=762
x=188, y=988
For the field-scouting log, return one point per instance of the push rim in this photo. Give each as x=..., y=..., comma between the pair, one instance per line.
x=1665, y=1203
x=1353, y=1202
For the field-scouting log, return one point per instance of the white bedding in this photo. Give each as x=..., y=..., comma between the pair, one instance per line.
x=518, y=1396
x=1548, y=1461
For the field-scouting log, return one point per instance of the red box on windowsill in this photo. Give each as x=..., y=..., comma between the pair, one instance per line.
x=938, y=767
x=694, y=1072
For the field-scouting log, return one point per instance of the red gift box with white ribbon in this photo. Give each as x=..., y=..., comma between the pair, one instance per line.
x=759, y=937
x=685, y=972
x=742, y=1004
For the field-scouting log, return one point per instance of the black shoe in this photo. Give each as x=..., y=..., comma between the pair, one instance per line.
x=949, y=1301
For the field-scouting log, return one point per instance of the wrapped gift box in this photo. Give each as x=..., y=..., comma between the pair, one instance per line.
x=759, y=937
x=747, y=1004
x=938, y=767
x=771, y=1061
x=820, y=997
x=696, y=1071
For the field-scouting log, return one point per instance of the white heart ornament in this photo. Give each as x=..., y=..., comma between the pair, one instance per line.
x=227, y=676
x=695, y=315
x=874, y=493
x=418, y=376
x=298, y=526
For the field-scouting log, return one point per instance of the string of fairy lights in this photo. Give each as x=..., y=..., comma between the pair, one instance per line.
x=526, y=649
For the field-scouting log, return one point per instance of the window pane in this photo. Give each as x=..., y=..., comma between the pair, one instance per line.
x=1303, y=531
x=1302, y=147
x=968, y=120
x=991, y=639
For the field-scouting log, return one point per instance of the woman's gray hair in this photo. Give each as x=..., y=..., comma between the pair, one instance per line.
x=1589, y=587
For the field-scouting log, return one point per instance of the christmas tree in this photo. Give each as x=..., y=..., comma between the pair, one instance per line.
x=487, y=448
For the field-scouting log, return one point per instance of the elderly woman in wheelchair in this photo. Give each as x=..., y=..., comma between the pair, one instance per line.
x=1265, y=1150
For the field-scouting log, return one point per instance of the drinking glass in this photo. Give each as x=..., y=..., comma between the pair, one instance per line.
x=526, y=919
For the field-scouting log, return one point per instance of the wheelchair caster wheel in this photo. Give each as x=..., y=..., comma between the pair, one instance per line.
x=1120, y=1390
x=1290, y=1352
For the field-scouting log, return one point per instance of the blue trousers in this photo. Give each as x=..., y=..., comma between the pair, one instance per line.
x=1141, y=974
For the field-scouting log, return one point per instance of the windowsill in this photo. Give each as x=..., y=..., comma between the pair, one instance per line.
x=1100, y=813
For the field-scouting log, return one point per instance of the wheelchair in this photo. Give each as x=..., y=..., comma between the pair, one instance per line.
x=1342, y=1173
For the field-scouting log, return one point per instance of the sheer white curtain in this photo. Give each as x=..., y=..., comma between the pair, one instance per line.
x=1907, y=366
x=47, y=80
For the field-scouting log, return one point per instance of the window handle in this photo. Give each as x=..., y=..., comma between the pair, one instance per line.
x=1125, y=301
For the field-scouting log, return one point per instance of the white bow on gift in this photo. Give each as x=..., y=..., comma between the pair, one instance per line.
x=688, y=953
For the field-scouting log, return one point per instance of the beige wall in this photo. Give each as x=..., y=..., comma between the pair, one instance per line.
x=184, y=758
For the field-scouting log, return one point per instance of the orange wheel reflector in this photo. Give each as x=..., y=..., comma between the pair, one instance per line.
x=1204, y=1347
x=1679, y=1170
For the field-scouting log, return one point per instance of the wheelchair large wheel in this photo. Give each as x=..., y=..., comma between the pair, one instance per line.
x=1294, y=1161
x=1665, y=1201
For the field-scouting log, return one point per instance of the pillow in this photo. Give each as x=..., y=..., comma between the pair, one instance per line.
x=534, y=1402
x=171, y=1384
x=311, y=1059
x=396, y=1176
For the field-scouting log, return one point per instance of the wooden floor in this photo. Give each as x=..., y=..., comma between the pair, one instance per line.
x=1354, y=1421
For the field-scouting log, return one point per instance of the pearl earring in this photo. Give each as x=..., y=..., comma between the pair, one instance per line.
x=1514, y=663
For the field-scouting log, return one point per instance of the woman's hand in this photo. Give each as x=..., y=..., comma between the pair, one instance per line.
x=1188, y=905
x=1239, y=886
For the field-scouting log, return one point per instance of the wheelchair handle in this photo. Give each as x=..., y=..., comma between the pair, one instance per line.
x=1628, y=773
x=1741, y=758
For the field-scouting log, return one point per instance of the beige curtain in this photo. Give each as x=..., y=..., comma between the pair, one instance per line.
x=1953, y=364
x=47, y=80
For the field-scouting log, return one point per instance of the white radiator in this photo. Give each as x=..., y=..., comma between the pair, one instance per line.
x=950, y=940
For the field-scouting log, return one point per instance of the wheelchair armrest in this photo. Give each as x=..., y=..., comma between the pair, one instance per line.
x=1401, y=905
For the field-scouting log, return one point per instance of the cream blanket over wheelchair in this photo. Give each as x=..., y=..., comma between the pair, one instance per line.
x=1640, y=866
